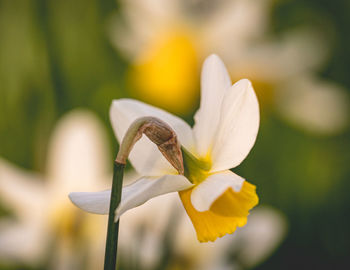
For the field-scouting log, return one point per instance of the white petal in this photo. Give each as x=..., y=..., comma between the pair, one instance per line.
x=98, y=202
x=145, y=156
x=92, y=202
x=147, y=188
x=215, y=81
x=233, y=24
x=255, y=242
x=25, y=242
x=165, y=209
x=238, y=128
x=133, y=195
x=21, y=190
x=213, y=187
x=78, y=152
x=315, y=105
x=265, y=230
x=141, y=23
x=303, y=50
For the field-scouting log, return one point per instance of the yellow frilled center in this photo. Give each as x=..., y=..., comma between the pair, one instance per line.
x=226, y=213
x=165, y=74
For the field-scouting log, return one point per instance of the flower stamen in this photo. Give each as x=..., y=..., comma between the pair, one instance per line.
x=196, y=170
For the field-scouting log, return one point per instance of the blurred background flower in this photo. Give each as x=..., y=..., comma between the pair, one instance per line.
x=167, y=40
x=46, y=228
x=56, y=56
x=171, y=243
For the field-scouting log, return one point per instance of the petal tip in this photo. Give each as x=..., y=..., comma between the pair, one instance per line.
x=73, y=198
x=91, y=202
x=71, y=195
x=117, y=102
x=244, y=82
x=213, y=58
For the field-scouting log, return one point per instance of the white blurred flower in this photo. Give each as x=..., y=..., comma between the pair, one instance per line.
x=165, y=41
x=45, y=224
x=252, y=245
x=284, y=73
x=318, y=105
x=222, y=26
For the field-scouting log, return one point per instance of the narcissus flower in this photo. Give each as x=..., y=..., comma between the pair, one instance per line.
x=45, y=223
x=226, y=125
x=165, y=42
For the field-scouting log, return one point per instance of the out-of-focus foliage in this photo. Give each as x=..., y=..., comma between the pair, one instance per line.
x=55, y=56
x=58, y=55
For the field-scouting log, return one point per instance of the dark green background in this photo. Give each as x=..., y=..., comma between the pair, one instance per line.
x=55, y=56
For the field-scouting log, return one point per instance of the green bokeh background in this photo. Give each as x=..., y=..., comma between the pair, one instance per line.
x=55, y=56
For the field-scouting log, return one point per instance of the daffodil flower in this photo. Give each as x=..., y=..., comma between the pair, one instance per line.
x=45, y=222
x=226, y=125
x=165, y=42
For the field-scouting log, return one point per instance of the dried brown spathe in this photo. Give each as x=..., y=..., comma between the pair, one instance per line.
x=160, y=133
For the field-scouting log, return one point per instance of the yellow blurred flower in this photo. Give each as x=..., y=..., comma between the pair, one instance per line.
x=160, y=36
x=167, y=40
x=46, y=225
x=166, y=72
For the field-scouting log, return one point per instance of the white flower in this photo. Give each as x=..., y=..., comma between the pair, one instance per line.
x=225, y=26
x=46, y=224
x=319, y=106
x=165, y=40
x=284, y=72
x=226, y=125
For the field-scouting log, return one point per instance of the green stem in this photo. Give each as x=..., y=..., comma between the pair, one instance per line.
x=113, y=227
x=165, y=138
